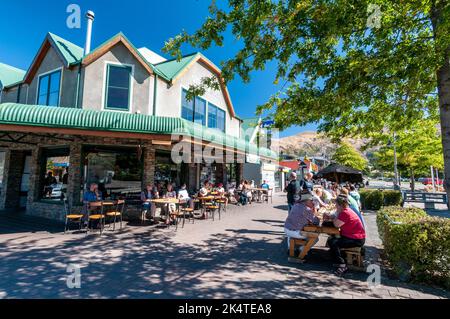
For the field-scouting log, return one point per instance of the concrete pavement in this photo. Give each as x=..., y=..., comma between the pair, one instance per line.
x=243, y=255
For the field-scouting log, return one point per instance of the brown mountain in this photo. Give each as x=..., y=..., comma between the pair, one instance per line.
x=313, y=144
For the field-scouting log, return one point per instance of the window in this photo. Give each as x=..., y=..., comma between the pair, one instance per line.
x=116, y=170
x=193, y=110
x=200, y=111
x=187, y=107
x=48, y=91
x=216, y=117
x=54, y=174
x=118, y=80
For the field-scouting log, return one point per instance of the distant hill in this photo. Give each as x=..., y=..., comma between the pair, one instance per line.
x=313, y=144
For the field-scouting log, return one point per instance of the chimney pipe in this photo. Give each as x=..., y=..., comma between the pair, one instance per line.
x=90, y=18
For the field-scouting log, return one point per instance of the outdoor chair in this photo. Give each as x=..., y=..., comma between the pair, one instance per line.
x=71, y=218
x=354, y=258
x=95, y=213
x=268, y=194
x=222, y=204
x=117, y=213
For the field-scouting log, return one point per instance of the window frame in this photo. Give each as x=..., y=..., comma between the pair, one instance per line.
x=38, y=86
x=192, y=119
x=108, y=64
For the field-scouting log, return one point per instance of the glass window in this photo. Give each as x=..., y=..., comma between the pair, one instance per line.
x=49, y=87
x=216, y=117
x=55, y=174
x=118, y=82
x=187, y=107
x=200, y=111
x=116, y=171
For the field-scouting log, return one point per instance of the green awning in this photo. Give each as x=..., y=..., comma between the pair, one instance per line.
x=62, y=117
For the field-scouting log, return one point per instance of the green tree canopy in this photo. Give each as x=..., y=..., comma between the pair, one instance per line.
x=347, y=155
x=418, y=148
x=353, y=66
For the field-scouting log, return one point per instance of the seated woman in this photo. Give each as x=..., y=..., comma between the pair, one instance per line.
x=221, y=191
x=183, y=195
x=146, y=195
x=352, y=233
x=204, y=190
x=171, y=207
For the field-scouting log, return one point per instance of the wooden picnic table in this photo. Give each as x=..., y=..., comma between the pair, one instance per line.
x=314, y=232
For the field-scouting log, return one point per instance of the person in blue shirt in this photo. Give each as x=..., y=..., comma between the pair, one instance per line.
x=265, y=185
x=146, y=195
x=92, y=194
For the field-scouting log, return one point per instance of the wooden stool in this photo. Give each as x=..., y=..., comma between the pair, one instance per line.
x=354, y=258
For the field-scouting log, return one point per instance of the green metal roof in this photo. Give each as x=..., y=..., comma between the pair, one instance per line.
x=172, y=68
x=61, y=117
x=72, y=53
x=10, y=75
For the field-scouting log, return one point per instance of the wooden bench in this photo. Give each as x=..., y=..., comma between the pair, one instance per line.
x=354, y=258
x=429, y=199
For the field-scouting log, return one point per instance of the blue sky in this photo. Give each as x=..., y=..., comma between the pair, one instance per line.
x=25, y=23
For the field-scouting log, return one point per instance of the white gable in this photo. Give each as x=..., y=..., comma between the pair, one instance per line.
x=151, y=56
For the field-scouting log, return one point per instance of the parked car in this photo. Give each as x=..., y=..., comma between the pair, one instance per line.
x=429, y=181
x=57, y=190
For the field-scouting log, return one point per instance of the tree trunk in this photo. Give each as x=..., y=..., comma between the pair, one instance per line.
x=443, y=86
x=413, y=182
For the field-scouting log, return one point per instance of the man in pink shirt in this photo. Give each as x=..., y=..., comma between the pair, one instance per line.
x=352, y=232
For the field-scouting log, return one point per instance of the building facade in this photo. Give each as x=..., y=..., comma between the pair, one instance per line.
x=113, y=116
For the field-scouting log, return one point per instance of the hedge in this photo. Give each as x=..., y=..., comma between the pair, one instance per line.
x=417, y=246
x=374, y=199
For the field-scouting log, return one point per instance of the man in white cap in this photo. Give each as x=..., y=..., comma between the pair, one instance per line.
x=292, y=189
x=301, y=214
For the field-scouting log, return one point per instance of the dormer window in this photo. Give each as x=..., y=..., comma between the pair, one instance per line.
x=118, y=87
x=49, y=88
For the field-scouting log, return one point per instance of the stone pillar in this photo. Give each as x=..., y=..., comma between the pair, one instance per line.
x=35, y=177
x=14, y=163
x=5, y=179
x=149, y=158
x=75, y=175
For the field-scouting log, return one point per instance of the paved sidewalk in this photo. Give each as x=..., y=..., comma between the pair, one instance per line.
x=241, y=256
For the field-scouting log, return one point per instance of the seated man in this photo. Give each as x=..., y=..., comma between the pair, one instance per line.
x=301, y=214
x=352, y=233
x=91, y=195
x=147, y=195
x=265, y=185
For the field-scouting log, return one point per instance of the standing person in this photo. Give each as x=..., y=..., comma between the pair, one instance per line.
x=307, y=183
x=302, y=213
x=352, y=233
x=292, y=189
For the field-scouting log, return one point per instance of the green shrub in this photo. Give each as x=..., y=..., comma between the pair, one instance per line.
x=371, y=199
x=374, y=199
x=417, y=245
x=392, y=198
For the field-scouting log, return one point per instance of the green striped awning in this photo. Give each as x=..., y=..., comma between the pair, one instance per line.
x=62, y=117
